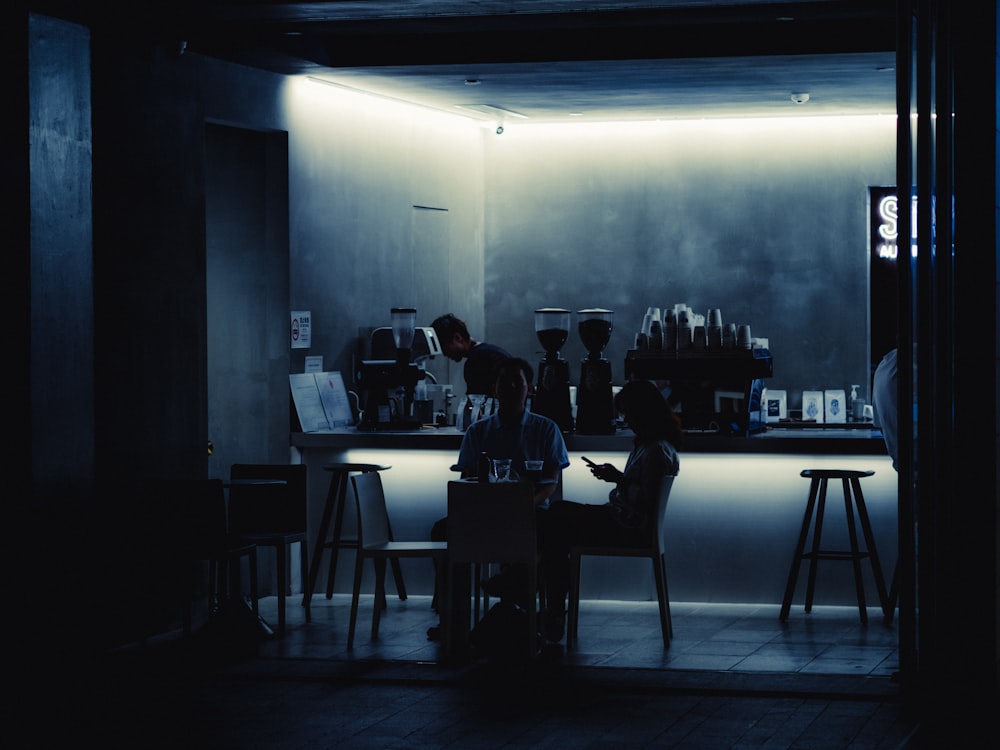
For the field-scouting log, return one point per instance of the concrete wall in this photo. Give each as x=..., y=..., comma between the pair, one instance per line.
x=765, y=219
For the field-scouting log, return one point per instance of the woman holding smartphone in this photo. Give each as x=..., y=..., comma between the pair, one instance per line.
x=625, y=519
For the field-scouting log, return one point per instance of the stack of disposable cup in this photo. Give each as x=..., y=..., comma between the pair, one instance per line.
x=655, y=333
x=714, y=327
x=685, y=331
x=670, y=331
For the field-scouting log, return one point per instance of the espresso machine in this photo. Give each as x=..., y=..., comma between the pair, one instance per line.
x=595, y=410
x=551, y=397
x=389, y=384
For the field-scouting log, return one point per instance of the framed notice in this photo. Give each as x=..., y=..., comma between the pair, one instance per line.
x=812, y=406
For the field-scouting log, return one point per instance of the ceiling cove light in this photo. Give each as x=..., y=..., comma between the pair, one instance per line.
x=371, y=95
x=491, y=111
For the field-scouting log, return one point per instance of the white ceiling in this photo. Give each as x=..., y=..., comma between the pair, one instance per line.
x=561, y=59
x=862, y=83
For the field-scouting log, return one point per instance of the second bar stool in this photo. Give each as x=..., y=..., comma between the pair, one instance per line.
x=336, y=499
x=815, y=509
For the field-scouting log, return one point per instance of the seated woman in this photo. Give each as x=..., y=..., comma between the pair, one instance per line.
x=625, y=519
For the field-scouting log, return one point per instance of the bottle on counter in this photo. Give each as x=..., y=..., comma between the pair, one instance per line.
x=857, y=406
x=484, y=468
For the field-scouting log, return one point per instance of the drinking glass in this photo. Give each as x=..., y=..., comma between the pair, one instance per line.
x=501, y=469
x=533, y=468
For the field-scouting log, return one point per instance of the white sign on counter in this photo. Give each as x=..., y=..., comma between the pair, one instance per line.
x=835, y=405
x=812, y=406
x=320, y=400
x=333, y=394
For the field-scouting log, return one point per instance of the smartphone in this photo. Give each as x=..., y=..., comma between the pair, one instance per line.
x=588, y=462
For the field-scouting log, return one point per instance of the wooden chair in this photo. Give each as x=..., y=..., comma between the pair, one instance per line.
x=375, y=544
x=654, y=551
x=273, y=515
x=489, y=523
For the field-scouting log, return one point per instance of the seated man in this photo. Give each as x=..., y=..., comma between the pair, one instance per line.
x=512, y=432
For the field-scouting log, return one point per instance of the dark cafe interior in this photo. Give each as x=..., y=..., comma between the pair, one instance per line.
x=236, y=225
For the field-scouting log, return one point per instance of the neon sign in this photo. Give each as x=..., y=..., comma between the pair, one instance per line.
x=887, y=212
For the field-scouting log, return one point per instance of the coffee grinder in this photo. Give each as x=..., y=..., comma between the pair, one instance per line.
x=390, y=383
x=551, y=397
x=595, y=410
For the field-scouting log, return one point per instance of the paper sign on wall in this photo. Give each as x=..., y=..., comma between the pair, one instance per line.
x=301, y=329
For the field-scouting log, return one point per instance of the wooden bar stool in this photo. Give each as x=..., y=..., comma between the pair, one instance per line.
x=815, y=510
x=336, y=499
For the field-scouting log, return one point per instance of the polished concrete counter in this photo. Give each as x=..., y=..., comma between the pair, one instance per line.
x=733, y=519
x=816, y=439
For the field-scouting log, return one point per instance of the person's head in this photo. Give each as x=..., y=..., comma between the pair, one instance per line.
x=453, y=335
x=513, y=383
x=648, y=413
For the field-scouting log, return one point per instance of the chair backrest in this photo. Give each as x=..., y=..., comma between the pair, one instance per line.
x=491, y=522
x=659, y=538
x=268, y=508
x=373, y=517
x=194, y=514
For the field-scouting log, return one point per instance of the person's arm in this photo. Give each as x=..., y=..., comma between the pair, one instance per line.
x=604, y=472
x=468, y=454
x=639, y=486
x=550, y=477
x=556, y=459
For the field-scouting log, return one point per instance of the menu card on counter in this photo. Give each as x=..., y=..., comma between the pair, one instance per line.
x=320, y=400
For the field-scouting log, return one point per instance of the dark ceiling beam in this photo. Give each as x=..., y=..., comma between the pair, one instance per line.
x=701, y=31
x=272, y=30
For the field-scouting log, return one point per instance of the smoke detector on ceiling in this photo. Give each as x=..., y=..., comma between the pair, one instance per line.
x=800, y=98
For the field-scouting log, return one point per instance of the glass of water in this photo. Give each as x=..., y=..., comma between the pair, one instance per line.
x=501, y=469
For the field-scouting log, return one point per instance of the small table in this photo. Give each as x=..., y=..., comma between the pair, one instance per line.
x=336, y=498
x=262, y=624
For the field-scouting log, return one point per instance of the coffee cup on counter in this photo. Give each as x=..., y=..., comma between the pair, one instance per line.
x=743, y=338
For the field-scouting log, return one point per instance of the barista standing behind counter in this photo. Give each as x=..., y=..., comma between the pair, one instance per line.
x=481, y=359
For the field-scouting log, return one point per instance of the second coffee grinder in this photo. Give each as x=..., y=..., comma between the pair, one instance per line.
x=551, y=397
x=595, y=410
